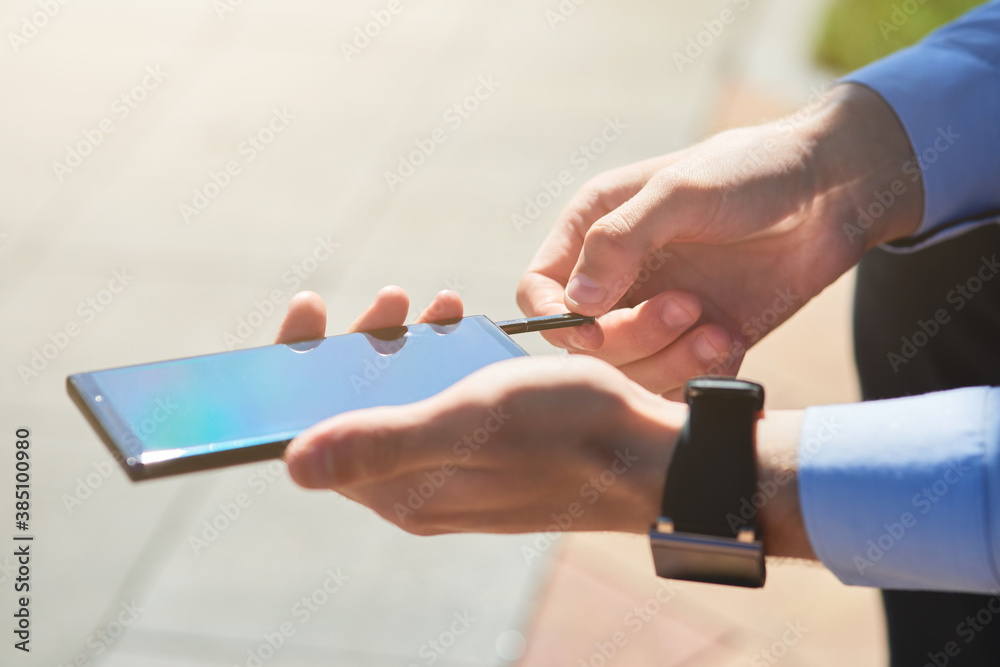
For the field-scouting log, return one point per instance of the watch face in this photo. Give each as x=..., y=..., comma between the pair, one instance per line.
x=723, y=387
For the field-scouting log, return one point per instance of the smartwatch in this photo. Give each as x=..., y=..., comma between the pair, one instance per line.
x=703, y=533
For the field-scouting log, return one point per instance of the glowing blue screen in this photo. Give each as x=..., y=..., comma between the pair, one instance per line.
x=270, y=394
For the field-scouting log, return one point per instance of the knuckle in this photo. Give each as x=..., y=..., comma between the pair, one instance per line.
x=614, y=228
x=616, y=235
x=590, y=193
x=679, y=187
x=605, y=191
x=596, y=192
x=666, y=181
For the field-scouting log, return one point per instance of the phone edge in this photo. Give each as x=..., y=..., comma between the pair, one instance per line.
x=184, y=464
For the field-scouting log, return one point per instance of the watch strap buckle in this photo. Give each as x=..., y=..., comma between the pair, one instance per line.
x=732, y=561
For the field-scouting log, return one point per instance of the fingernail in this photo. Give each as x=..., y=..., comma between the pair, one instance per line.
x=709, y=350
x=573, y=340
x=582, y=337
x=583, y=290
x=675, y=315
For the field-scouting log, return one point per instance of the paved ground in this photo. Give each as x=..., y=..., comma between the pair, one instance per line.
x=119, y=123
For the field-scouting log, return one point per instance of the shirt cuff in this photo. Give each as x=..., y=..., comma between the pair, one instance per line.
x=947, y=101
x=905, y=493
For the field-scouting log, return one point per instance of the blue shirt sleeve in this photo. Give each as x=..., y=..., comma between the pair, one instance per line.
x=905, y=493
x=946, y=92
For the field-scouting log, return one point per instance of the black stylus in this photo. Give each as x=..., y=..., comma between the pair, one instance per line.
x=544, y=323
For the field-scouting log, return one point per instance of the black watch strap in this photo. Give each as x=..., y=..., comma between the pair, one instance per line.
x=701, y=534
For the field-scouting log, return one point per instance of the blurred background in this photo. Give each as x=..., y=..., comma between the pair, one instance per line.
x=173, y=172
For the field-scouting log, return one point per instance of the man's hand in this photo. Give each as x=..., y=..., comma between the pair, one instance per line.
x=531, y=444
x=691, y=258
x=518, y=446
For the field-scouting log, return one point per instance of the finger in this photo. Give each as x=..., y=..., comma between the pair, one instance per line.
x=617, y=246
x=706, y=350
x=586, y=336
x=305, y=319
x=365, y=446
x=387, y=310
x=632, y=334
x=542, y=288
x=447, y=305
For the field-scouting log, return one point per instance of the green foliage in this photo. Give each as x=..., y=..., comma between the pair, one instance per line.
x=856, y=32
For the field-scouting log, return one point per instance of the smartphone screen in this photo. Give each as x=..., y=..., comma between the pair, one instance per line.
x=203, y=412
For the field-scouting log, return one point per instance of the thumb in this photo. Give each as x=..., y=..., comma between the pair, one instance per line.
x=619, y=245
x=370, y=445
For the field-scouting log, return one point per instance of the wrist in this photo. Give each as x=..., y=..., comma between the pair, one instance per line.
x=866, y=167
x=659, y=423
x=705, y=532
x=779, y=510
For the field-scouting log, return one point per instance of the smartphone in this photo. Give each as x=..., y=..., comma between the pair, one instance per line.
x=235, y=407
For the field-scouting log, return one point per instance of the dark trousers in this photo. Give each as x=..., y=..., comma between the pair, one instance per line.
x=929, y=321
